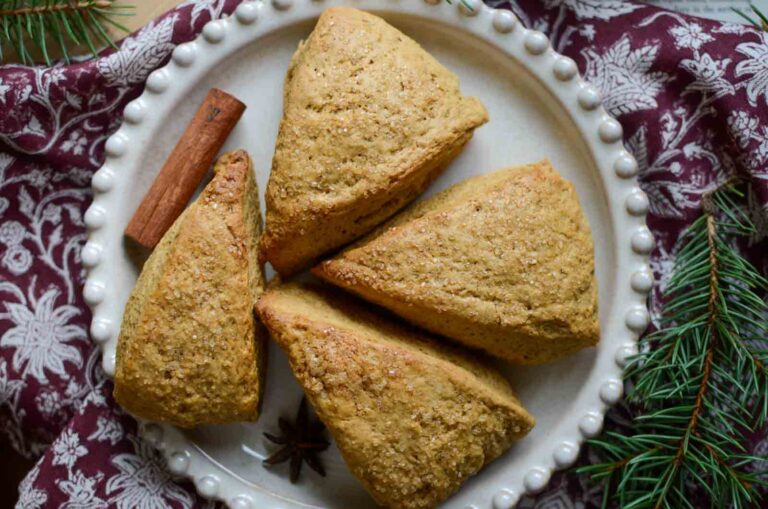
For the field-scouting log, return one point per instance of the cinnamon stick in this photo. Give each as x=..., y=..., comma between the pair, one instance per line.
x=185, y=167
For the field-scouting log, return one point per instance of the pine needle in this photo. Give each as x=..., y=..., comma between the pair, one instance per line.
x=65, y=23
x=761, y=23
x=700, y=383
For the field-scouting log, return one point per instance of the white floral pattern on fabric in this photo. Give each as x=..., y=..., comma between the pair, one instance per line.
x=143, y=481
x=73, y=388
x=140, y=54
x=755, y=67
x=12, y=233
x=81, y=491
x=40, y=336
x=690, y=35
x=29, y=496
x=107, y=430
x=709, y=75
x=17, y=259
x=64, y=114
x=731, y=28
x=3, y=90
x=76, y=143
x=42, y=110
x=751, y=137
x=48, y=403
x=212, y=8
x=624, y=77
x=744, y=127
x=94, y=397
x=67, y=449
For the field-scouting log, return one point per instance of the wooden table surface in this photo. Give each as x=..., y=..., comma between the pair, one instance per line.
x=144, y=11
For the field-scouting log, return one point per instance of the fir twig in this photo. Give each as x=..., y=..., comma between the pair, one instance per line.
x=26, y=23
x=700, y=382
x=761, y=23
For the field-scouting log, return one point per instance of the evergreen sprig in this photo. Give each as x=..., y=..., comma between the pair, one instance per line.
x=62, y=23
x=700, y=382
x=761, y=20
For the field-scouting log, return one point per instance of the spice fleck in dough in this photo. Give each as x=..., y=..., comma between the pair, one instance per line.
x=503, y=262
x=369, y=120
x=413, y=418
x=190, y=350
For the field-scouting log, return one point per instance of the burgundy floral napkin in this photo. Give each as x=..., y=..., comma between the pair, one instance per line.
x=692, y=96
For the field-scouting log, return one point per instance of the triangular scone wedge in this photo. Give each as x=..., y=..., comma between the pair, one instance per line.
x=190, y=350
x=369, y=120
x=413, y=418
x=503, y=262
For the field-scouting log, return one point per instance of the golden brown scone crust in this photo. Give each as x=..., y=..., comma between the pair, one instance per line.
x=190, y=350
x=369, y=120
x=412, y=417
x=503, y=262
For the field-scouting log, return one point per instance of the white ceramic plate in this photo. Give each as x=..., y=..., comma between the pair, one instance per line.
x=539, y=107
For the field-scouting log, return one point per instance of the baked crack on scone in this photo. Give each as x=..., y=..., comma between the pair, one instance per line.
x=412, y=417
x=503, y=262
x=190, y=349
x=369, y=120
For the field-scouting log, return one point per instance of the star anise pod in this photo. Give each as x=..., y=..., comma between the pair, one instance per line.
x=301, y=441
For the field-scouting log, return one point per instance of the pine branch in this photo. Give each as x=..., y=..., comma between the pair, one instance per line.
x=700, y=382
x=28, y=23
x=761, y=23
